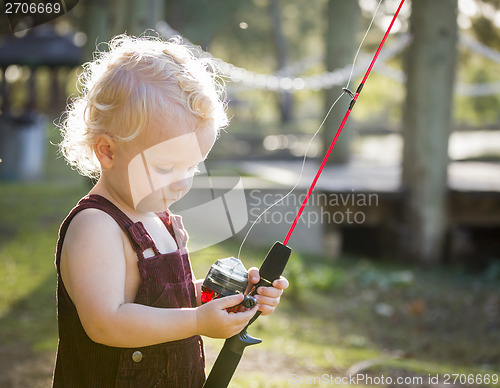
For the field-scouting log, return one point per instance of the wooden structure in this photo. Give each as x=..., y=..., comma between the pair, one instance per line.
x=361, y=206
x=22, y=127
x=40, y=47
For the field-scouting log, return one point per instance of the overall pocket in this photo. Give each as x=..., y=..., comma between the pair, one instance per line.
x=141, y=368
x=169, y=365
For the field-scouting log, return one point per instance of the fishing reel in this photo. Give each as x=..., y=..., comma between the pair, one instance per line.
x=227, y=277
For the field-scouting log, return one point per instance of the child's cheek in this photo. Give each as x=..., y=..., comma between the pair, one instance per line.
x=140, y=184
x=157, y=180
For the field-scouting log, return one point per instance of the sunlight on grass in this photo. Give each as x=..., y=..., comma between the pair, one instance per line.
x=21, y=272
x=31, y=214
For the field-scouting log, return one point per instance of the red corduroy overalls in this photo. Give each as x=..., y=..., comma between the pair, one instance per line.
x=166, y=282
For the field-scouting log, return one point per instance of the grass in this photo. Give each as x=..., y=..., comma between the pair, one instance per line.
x=353, y=315
x=29, y=224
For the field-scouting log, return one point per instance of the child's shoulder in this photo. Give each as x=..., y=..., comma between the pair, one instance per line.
x=92, y=216
x=92, y=225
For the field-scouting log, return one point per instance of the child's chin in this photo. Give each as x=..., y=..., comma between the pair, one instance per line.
x=149, y=206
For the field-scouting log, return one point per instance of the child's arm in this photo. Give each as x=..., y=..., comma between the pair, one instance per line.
x=93, y=268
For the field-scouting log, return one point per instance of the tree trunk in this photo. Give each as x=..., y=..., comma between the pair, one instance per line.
x=430, y=66
x=341, y=42
x=120, y=16
x=285, y=98
x=96, y=25
x=144, y=15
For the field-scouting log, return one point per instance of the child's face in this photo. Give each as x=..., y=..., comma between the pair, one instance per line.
x=162, y=172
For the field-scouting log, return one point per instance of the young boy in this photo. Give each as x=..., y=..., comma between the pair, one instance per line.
x=129, y=308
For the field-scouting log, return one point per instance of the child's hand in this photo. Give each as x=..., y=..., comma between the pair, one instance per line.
x=214, y=321
x=267, y=297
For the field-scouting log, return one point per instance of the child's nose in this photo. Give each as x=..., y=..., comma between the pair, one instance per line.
x=181, y=184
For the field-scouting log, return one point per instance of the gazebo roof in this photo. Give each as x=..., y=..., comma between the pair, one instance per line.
x=40, y=47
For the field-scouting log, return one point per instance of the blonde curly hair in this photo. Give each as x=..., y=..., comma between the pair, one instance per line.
x=138, y=79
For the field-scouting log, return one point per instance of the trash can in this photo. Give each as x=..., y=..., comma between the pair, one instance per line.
x=22, y=147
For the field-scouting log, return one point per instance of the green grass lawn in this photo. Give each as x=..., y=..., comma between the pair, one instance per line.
x=338, y=318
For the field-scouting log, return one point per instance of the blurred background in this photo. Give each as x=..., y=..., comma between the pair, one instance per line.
x=396, y=263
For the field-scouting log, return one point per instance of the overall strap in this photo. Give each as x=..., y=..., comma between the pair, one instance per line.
x=176, y=228
x=136, y=232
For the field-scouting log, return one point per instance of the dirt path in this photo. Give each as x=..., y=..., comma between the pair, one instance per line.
x=21, y=368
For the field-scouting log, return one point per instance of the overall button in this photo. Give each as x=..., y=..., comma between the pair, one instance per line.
x=137, y=356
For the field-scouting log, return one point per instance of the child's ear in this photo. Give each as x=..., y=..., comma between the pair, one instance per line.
x=104, y=150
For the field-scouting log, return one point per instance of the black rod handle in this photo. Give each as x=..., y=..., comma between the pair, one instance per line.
x=229, y=358
x=223, y=369
x=232, y=351
x=275, y=262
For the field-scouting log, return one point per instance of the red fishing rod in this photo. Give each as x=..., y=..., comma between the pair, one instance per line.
x=348, y=113
x=277, y=258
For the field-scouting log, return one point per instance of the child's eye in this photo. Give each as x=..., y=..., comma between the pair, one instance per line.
x=163, y=170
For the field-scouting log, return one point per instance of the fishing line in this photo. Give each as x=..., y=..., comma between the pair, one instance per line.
x=346, y=116
x=345, y=90
x=362, y=42
x=298, y=179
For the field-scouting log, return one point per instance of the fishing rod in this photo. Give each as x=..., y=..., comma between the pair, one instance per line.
x=276, y=259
